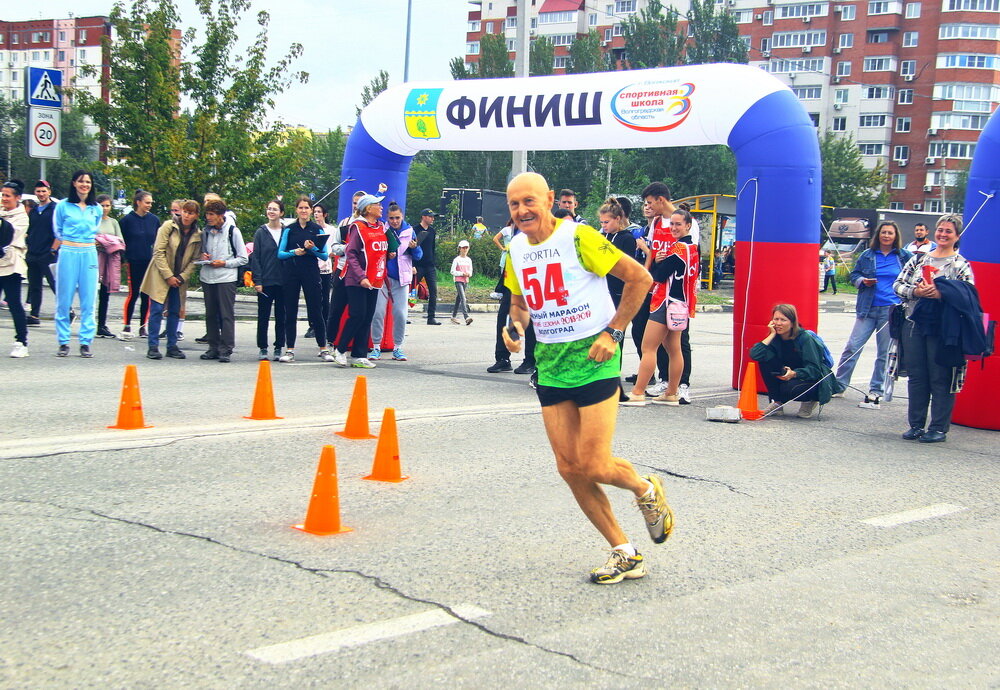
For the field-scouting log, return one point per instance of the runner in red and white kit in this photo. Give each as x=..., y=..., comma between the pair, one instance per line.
x=556, y=274
x=363, y=274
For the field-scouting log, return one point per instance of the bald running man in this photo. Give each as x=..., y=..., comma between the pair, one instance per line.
x=556, y=272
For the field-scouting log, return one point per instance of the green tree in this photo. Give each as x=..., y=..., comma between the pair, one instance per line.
x=325, y=160
x=423, y=188
x=460, y=71
x=494, y=59
x=586, y=55
x=652, y=38
x=955, y=194
x=541, y=57
x=78, y=150
x=715, y=37
x=222, y=142
x=372, y=89
x=846, y=181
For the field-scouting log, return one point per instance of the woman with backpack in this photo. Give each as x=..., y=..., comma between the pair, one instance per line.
x=874, y=273
x=793, y=364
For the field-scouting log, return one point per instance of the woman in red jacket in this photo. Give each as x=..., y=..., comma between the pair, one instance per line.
x=364, y=274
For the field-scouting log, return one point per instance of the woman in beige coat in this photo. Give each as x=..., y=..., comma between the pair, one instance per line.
x=177, y=246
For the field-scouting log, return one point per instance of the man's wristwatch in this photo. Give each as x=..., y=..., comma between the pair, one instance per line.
x=616, y=335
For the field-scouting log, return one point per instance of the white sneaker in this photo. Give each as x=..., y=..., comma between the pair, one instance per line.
x=775, y=409
x=20, y=351
x=496, y=295
x=657, y=388
x=340, y=358
x=872, y=401
x=362, y=363
x=126, y=335
x=685, y=392
x=325, y=355
x=289, y=356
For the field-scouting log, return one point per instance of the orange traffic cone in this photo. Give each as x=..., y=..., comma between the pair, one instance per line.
x=263, y=398
x=748, y=394
x=130, y=407
x=323, y=516
x=385, y=468
x=356, y=427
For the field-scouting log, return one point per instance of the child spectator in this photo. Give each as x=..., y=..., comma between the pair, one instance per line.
x=461, y=269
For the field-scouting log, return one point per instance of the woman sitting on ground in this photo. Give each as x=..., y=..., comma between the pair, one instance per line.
x=792, y=365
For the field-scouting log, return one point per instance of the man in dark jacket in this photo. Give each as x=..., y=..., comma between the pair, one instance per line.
x=426, y=267
x=139, y=228
x=40, y=255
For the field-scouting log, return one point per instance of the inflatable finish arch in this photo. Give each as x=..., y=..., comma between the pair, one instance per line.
x=977, y=405
x=758, y=117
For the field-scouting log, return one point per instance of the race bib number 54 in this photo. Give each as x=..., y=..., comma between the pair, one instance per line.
x=539, y=288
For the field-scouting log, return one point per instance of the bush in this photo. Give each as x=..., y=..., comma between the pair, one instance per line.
x=484, y=254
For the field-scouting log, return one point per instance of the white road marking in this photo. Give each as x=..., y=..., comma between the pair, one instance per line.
x=925, y=513
x=362, y=634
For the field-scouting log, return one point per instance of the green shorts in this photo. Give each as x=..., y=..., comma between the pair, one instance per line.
x=565, y=365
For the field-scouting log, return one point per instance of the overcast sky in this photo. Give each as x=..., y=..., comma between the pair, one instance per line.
x=345, y=43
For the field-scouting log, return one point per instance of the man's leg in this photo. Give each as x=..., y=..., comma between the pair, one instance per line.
x=35, y=274
x=227, y=318
x=430, y=275
x=581, y=440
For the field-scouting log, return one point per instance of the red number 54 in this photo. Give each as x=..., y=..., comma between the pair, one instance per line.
x=553, y=289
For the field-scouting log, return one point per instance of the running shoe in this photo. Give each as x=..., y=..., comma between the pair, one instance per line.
x=224, y=357
x=85, y=352
x=277, y=354
x=289, y=356
x=375, y=353
x=871, y=402
x=496, y=295
x=525, y=368
x=468, y=321
x=807, y=409
x=362, y=363
x=340, y=358
x=325, y=355
x=775, y=409
x=126, y=334
x=664, y=399
x=634, y=400
x=659, y=518
x=456, y=321
x=656, y=389
x=620, y=566
x=685, y=392
x=20, y=351
x=154, y=353
x=262, y=355
x=174, y=352
x=32, y=320
x=499, y=366
x=203, y=340
x=397, y=354
x=63, y=351
x=104, y=332
x=180, y=336
x=142, y=331
x=310, y=333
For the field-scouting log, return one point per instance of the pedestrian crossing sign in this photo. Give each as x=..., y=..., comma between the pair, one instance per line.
x=420, y=113
x=44, y=88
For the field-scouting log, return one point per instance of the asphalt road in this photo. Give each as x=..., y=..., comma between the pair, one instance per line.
x=164, y=557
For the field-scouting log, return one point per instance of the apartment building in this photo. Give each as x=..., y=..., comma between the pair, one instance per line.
x=913, y=82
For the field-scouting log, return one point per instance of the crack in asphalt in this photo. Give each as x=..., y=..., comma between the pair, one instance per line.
x=323, y=572
x=694, y=478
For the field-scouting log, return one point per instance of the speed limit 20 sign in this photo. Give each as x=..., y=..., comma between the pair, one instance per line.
x=44, y=132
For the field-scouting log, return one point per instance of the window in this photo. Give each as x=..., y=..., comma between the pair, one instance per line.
x=745, y=40
x=840, y=96
x=765, y=45
x=898, y=181
x=560, y=62
x=472, y=48
x=45, y=55
x=768, y=18
x=798, y=39
x=971, y=61
x=489, y=27
x=908, y=68
x=848, y=13
x=592, y=20
x=844, y=69
x=969, y=98
x=840, y=124
x=783, y=66
x=13, y=57
x=955, y=149
x=879, y=64
x=871, y=149
x=14, y=39
x=556, y=17
x=562, y=39
x=82, y=57
x=903, y=124
x=815, y=119
x=625, y=6
x=872, y=121
x=511, y=48
x=878, y=37
x=913, y=10
x=36, y=55
x=607, y=34
x=743, y=16
x=810, y=10
x=877, y=92
x=846, y=41
x=987, y=31
x=973, y=5
x=475, y=26
x=878, y=7
x=808, y=93
x=901, y=153
x=616, y=30
x=82, y=36
x=15, y=76
x=905, y=97
x=511, y=23
x=62, y=56
x=910, y=39
x=933, y=206
x=958, y=121
x=896, y=205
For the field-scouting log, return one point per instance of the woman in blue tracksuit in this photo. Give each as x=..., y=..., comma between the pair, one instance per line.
x=874, y=273
x=77, y=218
x=298, y=251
